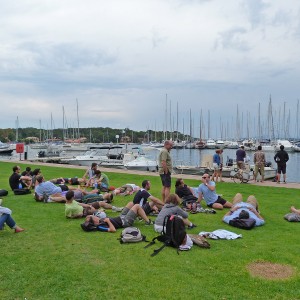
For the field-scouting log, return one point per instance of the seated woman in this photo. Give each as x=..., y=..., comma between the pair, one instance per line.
x=294, y=215
x=171, y=208
x=6, y=218
x=246, y=210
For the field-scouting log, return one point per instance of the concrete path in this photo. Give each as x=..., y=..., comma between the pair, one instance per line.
x=293, y=185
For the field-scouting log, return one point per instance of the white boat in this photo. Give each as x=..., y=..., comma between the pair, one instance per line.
x=288, y=146
x=296, y=147
x=210, y=144
x=142, y=163
x=249, y=145
x=232, y=145
x=220, y=144
x=5, y=149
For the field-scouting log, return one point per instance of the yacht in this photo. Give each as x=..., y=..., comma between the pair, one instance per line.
x=288, y=146
x=5, y=149
x=210, y=144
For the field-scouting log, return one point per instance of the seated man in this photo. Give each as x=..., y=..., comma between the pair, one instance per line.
x=73, y=209
x=142, y=196
x=101, y=180
x=244, y=210
x=129, y=213
x=89, y=175
x=186, y=193
x=294, y=215
x=207, y=191
x=45, y=189
x=17, y=181
x=6, y=218
x=126, y=189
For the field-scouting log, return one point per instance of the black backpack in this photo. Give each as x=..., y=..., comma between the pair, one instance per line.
x=173, y=234
x=243, y=223
x=3, y=193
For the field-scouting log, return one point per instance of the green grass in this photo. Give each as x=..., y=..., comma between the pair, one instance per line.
x=55, y=259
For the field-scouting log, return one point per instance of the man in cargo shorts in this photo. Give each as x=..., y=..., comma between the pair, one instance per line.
x=165, y=168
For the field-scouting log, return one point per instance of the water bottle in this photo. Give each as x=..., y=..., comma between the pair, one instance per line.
x=20, y=185
x=96, y=185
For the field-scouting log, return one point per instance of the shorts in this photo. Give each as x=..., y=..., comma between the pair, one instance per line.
x=147, y=208
x=281, y=169
x=216, y=166
x=166, y=179
x=128, y=216
x=261, y=170
x=63, y=187
x=241, y=165
x=220, y=200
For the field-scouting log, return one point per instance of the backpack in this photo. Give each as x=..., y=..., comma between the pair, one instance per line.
x=131, y=235
x=173, y=234
x=3, y=193
x=243, y=223
x=22, y=191
x=89, y=225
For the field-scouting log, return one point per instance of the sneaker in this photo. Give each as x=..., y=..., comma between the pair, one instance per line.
x=192, y=226
x=45, y=198
x=116, y=209
x=210, y=211
x=150, y=222
x=153, y=214
x=284, y=182
x=200, y=210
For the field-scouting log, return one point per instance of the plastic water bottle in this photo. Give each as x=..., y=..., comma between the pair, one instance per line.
x=20, y=185
x=95, y=185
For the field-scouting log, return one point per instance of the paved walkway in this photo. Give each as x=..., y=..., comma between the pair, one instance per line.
x=293, y=185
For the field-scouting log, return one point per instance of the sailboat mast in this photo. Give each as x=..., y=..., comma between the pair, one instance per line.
x=78, y=134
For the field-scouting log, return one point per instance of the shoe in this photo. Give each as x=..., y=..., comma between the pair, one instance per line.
x=150, y=222
x=200, y=210
x=284, y=182
x=1, y=202
x=19, y=229
x=45, y=198
x=116, y=209
x=192, y=226
x=210, y=211
x=153, y=214
x=278, y=182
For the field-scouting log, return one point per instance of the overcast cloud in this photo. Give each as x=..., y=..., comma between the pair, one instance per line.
x=120, y=58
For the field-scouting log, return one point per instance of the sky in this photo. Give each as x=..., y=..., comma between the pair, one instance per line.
x=151, y=65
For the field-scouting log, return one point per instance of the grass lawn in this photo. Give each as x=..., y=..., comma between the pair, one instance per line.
x=55, y=259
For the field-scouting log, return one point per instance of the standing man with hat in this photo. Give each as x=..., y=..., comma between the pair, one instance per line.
x=165, y=168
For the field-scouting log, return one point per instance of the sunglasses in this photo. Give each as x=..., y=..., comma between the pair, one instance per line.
x=204, y=177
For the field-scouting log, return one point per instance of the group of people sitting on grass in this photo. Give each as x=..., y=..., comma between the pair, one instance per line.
x=81, y=203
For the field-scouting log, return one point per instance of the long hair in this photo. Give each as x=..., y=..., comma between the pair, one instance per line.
x=173, y=199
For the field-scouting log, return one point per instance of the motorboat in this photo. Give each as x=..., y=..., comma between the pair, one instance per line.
x=249, y=145
x=232, y=145
x=105, y=156
x=220, y=144
x=190, y=170
x=288, y=146
x=142, y=163
x=5, y=149
x=200, y=144
x=210, y=144
x=296, y=147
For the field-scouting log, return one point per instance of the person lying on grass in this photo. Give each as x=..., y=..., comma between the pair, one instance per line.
x=244, y=210
x=68, y=180
x=171, y=208
x=6, y=218
x=73, y=209
x=294, y=215
x=207, y=191
x=45, y=189
x=126, y=189
x=126, y=219
x=148, y=202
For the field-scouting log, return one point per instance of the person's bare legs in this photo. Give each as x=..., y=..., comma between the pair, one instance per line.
x=165, y=192
x=295, y=210
x=187, y=222
x=139, y=211
x=237, y=198
x=284, y=178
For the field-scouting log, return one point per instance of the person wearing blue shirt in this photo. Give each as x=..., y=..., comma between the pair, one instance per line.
x=239, y=207
x=207, y=191
x=216, y=165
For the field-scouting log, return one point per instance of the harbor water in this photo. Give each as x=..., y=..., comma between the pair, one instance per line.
x=194, y=157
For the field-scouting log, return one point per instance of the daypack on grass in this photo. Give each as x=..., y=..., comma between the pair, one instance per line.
x=131, y=235
x=173, y=234
x=3, y=193
x=22, y=191
x=243, y=223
